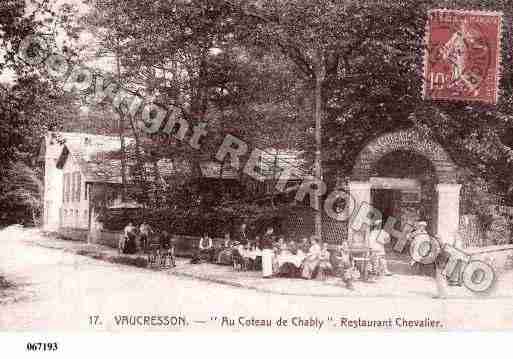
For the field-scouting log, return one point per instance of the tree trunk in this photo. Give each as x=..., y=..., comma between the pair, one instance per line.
x=319, y=79
x=123, y=158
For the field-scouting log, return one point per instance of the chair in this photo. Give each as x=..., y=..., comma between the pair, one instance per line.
x=153, y=254
x=167, y=254
x=238, y=261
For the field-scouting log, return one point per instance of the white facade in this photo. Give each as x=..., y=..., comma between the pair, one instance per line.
x=53, y=182
x=66, y=203
x=75, y=204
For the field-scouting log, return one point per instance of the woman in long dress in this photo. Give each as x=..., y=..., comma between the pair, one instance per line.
x=311, y=262
x=267, y=254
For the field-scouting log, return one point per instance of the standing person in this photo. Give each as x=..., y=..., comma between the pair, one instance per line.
x=258, y=250
x=311, y=262
x=242, y=234
x=376, y=239
x=456, y=277
x=267, y=253
x=130, y=246
x=440, y=278
x=145, y=230
x=419, y=231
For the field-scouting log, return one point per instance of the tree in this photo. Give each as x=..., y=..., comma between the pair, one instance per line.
x=25, y=186
x=30, y=105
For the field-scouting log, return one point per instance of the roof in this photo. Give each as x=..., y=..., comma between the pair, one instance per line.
x=98, y=157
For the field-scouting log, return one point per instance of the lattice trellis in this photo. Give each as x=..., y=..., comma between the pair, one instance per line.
x=301, y=224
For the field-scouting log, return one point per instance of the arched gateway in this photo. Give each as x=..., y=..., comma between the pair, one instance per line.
x=364, y=179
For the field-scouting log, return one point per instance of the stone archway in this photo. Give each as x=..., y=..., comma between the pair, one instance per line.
x=447, y=188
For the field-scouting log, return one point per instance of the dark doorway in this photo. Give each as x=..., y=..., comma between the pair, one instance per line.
x=386, y=201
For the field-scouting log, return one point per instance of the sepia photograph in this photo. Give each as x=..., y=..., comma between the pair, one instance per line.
x=228, y=166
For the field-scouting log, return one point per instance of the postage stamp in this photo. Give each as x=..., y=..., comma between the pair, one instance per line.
x=462, y=58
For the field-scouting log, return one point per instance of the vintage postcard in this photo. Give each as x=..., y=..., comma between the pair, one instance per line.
x=255, y=166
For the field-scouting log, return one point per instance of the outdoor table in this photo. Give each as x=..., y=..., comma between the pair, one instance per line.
x=252, y=254
x=295, y=259
x=361, y=255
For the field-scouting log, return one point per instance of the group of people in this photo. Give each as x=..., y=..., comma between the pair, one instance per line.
x=275, y=256
x=134, y=239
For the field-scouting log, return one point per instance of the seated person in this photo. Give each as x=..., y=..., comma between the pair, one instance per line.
x=238, y=256
x=311, y=262
x=290, y=262
x=250, y=255
x=205, y=250
x=325, y=266
x=292, y=247
x=167, y=248
x=342, y=265
x=224, y=255
x=304, y=246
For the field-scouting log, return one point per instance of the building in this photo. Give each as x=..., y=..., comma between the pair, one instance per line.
x=80, y=169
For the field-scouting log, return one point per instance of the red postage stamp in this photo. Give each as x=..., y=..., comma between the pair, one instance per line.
x=462, y=58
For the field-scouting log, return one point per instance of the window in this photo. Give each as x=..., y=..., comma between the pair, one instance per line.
x=68, y=185
x=64, y=188
x=86, y=188
x=79, y=186
x=73, y=178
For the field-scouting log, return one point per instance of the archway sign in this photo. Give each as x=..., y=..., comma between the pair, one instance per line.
x=447, y=188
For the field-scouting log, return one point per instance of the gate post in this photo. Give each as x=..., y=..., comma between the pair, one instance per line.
x=448, y=216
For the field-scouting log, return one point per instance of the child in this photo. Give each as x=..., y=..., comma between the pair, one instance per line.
x=343, y=266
